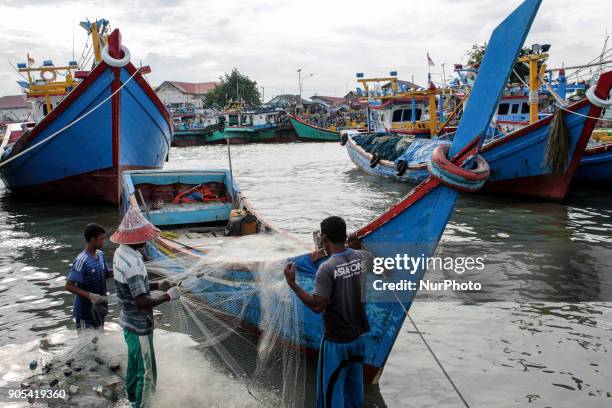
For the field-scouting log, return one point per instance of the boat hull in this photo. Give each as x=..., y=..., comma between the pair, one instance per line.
x=274, y=135
x=131, y=130
x=194, y=137
x=309, y=133
x=596, y=165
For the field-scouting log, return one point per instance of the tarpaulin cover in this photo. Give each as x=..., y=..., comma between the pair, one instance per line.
x=420, y=150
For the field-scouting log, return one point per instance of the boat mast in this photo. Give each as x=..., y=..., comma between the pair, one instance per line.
x=539, y=52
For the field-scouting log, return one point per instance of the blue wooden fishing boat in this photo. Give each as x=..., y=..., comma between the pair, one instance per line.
x=91, y=126
x=517, y=160
x=413, y=226
x=596, y=164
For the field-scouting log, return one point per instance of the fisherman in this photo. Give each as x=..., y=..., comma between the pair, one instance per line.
x=87, y=281
x=339, y=296
x=134, y=295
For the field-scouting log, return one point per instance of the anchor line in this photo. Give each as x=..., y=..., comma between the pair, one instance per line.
x=578, y=114
x=433, y=354
x=48, y=138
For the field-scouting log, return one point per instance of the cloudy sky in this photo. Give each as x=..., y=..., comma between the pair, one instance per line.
x=270, y=39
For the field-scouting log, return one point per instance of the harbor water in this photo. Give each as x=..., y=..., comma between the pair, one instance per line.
x=543, y=338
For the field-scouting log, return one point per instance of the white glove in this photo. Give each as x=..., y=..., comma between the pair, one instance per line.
x=174, y=293
x=96, y=299
x=165, y=284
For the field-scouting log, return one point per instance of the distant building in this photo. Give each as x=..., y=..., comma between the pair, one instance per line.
x=285, y=100
x=14, y=108
x=329, y=101
x=351, y=97
x=173, y=93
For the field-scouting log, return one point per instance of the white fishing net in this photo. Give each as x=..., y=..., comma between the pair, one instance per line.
x=236, y=305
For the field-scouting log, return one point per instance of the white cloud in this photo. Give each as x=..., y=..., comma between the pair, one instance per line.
x=269, y=40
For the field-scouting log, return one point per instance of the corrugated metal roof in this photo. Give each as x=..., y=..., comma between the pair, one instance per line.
x=13, y=101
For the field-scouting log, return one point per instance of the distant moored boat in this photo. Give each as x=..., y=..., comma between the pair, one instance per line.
x=310, y=133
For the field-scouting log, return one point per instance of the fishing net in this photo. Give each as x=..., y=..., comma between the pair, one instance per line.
x=558, y=145
x=236, y=305
x=388, y=147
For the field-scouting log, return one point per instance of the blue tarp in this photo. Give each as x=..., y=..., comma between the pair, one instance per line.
x=420, y=150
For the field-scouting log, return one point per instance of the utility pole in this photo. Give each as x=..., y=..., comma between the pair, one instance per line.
x=299, y=71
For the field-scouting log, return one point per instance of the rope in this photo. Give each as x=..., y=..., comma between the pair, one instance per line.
x=448, y=377
x=519, y=77
x=578, y=114
x=7, y=161
x=433, y=354
x=456, y=177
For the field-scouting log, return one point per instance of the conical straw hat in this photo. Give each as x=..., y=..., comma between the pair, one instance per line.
x=134, y=229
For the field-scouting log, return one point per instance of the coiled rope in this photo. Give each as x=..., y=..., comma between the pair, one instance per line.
x=47, y=139
x=453, y=176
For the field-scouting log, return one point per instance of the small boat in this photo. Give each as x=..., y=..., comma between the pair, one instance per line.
x=90, y=126
x=413, y=226
x=192, y=128
x=257, y=125
x=307, y=132
x=517, y=160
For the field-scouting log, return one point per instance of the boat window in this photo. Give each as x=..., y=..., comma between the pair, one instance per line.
x=525, y=107
x=417, y=113
x=233, y=120
x=407, y=116
x=503, y=109
x=515, y=108
x=397, y=116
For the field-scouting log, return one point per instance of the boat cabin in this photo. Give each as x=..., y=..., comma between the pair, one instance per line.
x=258, y=118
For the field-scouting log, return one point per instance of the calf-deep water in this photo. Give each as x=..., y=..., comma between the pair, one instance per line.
x=542, y=337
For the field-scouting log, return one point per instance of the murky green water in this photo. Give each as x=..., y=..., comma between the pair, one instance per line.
x=546, y=350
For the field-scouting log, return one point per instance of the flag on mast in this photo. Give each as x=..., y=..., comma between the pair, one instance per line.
x=430, y=61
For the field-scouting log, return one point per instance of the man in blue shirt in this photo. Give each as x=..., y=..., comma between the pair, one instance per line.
x=87, y=281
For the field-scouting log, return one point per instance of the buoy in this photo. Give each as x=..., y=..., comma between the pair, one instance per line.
x=33, y=364
x=45, y=78
x=113, y=62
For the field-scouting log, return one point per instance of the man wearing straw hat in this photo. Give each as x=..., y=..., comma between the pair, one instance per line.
x=134, y=294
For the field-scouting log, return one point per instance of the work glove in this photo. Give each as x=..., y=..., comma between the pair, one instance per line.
x=166, y=284
x=96, y=299
x=174, y=293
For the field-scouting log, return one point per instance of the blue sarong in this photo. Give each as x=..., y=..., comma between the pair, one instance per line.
x=340, y=374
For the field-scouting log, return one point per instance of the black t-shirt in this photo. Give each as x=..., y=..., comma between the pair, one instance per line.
x=340, y=280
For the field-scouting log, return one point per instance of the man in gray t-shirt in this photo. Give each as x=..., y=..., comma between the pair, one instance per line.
x=339, y=295
x=340, y=280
